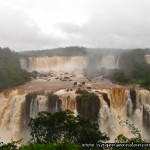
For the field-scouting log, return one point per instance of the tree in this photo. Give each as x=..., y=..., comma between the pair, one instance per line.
x=10, y=146
x=60, y=146
x=62, y=125
x=118, y=75
x=137, y=138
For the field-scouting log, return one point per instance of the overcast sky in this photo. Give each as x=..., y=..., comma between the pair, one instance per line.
x=40, y=24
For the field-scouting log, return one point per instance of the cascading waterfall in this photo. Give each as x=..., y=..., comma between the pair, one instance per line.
x=144, y=110
x=128, y=104
x=55, y=63
x=16, y=111
x=110, y=62
x=10, y=114
x=106, y=118
x=65, y=63
x=112, y=111
x=17, y=107
x=34, y=108
x=68, y=100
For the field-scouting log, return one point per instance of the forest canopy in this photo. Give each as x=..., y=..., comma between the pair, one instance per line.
x=11, y=73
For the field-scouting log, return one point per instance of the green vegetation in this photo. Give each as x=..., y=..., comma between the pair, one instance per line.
x=63, y=145
x=10, y=146
x=95, y=55
x=134, y=69
x=18, y=145
x=67, y=51
x=80, y=91
x=88, y=104
x=136, y=138
x=63, y=131
x=72, y=51
x=11, y=73
x=129, y=60
x=29, y=97
x=118, y=75
x=139, y=75
x=53, y=103
x=62, y=125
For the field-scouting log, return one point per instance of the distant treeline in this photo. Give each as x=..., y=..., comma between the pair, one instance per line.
x=68, y=51
x=11, y=73
x=72, y=51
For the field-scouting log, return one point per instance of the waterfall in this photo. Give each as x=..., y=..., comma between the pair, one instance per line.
x=55, y=63
x=17, y=107
x=128, y=104
x=65, y=63
x=68, y=99
x=10, y=114
x=106, y=118
x=16, y=111
x=110, y=62
x=34, y=108
x=133, y=105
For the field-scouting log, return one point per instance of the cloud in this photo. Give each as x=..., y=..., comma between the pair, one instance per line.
x=20, y=32
x=98, y=23
x=117, y=24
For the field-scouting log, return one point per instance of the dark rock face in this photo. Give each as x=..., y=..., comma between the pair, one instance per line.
x=26, y=109
x=146, y=117
x=54, y=103
x=105, y=97
x=133, y=99
x=88, y=105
